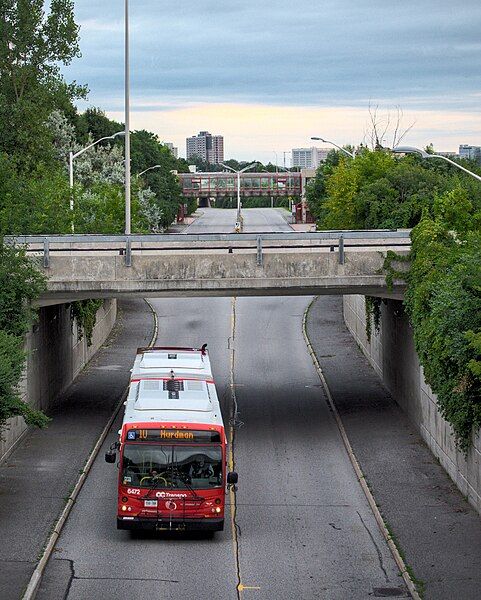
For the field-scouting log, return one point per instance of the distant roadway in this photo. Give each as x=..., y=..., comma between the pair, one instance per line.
x=303, y=528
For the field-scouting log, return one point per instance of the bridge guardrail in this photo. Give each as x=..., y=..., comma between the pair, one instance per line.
x=126, y=245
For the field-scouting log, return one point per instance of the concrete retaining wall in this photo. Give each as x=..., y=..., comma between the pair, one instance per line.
x=56, y=355
x=393, y=356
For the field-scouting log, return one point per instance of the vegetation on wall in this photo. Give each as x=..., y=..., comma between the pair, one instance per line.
x=84, y=312
x=20, y=284
x=443, y=299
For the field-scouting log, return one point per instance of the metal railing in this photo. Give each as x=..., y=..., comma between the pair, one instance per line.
x=126, y=245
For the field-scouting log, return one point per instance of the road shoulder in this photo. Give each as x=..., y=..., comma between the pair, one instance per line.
x=40, y=473
x=437, y=531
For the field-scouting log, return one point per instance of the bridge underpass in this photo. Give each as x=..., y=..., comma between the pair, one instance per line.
x=297, y=493
x=264, y=264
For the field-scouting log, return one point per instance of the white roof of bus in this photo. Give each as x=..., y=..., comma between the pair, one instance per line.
x=195, y=400
x=161, y=361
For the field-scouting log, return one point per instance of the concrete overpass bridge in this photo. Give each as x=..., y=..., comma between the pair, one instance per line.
x=249, y=264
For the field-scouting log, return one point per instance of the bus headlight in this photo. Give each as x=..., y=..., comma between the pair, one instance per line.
x=124, y=508
x=217, y=510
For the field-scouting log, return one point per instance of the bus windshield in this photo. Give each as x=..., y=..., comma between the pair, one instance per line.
x=167, y=467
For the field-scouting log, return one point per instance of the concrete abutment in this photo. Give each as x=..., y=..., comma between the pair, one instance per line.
x=392, y=354
x=56, y=354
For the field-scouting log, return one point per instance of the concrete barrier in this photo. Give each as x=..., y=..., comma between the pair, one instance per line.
x=55, y=356
x=392, y=354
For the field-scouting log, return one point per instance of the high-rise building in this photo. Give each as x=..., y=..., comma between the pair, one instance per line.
x=471, y=152
x=172, y=148
x=309, y=158
x=207, y=146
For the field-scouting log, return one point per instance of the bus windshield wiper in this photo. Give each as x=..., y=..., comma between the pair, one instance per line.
x=154, y=485
x=183, y=478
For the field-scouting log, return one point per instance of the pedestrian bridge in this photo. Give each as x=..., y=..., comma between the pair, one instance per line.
x=246, y=264
x=215, y=185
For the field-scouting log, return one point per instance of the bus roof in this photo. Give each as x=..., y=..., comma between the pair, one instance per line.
x=162, y=361
x=171, y=384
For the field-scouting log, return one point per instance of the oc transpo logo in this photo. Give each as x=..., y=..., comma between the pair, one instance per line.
x=170, y=495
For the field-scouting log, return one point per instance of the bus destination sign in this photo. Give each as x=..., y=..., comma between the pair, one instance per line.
x=173, y=435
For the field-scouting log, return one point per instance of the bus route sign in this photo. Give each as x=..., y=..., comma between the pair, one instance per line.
x=174, y=435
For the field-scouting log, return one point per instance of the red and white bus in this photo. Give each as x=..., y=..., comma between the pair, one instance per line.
x=173, y=463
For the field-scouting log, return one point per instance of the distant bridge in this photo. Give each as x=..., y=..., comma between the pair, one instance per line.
x=97, y=266
x=214, y=185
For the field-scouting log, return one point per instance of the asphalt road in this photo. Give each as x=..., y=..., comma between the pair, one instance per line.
x=222, y=220
x=303, y=528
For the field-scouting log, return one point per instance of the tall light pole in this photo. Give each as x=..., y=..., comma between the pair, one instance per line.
x=238, y=183
x=73, y=155
x=127, y=121
x=145, y=170
x=276, y=160
x=350, y=154
x=424, y=154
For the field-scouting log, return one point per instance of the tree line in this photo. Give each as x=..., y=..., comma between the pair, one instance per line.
x=442, y=205
x=39, y=125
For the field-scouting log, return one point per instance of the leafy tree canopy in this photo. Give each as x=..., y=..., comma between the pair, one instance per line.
x=33, y=45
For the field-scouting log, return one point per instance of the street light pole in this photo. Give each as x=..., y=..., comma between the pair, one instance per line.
x=127, y=121
x=145, y=170
x=350, y=154
x=238, y=183
x=72, y=156
x=424, y=154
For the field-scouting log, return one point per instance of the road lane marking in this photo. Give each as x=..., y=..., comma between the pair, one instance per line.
x=242, y=587
x=231, y=462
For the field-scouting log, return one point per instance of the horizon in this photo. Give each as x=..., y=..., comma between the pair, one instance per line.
x=267, y=78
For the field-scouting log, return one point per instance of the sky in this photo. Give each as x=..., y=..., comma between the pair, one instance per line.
x=268, y=75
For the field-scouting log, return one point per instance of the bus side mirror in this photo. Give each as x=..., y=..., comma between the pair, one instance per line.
x=110, y=456
x=232, y=478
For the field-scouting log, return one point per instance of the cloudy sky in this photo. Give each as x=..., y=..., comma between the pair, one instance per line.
x=269, y=74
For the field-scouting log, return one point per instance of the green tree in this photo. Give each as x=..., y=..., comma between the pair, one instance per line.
x=95, y=123
x=32, y=46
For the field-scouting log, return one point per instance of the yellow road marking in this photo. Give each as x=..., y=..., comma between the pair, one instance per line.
x=231, y=453
x=241, y=587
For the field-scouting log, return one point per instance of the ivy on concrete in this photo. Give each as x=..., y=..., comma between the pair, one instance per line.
x=20, y=284
x=373, y=315
x=443, y=300
x=84, y=312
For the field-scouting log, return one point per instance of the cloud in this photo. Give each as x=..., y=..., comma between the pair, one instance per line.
x=424, y=56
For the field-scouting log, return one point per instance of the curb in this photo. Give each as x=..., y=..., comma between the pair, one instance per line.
x=35, y=579
x=352, y=457
x=155, y=333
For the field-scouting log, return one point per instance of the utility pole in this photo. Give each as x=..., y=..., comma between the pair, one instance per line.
x=127, y=121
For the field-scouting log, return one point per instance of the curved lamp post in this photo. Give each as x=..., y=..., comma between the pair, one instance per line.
x=238, y=183
x=145, y=170
x=424, y=154
x=72, y=156
x=350, y=154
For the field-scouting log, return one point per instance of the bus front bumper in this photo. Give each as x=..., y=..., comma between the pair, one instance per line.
x=153, y=524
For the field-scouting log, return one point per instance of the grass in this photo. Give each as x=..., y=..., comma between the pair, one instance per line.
x=419, y=583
